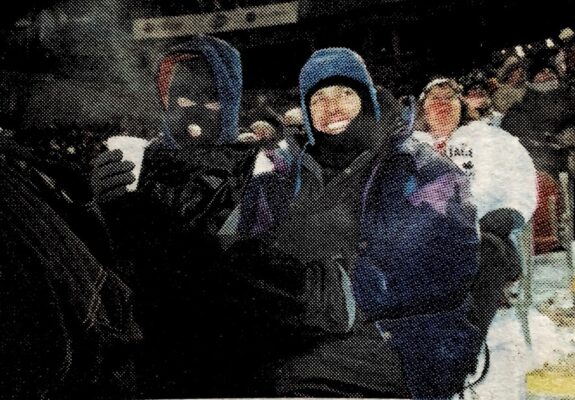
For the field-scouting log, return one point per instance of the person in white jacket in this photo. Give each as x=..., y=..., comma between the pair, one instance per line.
x=503, y=187
x=501, y=171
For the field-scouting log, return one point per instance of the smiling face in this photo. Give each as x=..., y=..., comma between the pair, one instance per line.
x=332, y=108
x=442, y=109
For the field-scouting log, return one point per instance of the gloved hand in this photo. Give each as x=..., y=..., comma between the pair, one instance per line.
x=110, y=176
x=501, y=222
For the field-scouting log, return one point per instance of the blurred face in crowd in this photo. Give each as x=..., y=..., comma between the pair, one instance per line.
x=332, y=108
x=477, y=98
x=442, y=109
x=517, y=76
x=293, y=117
x=545, y=75
x=570, y=58
x=263, y=130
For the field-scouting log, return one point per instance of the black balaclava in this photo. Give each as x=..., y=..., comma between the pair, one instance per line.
x=193, y=79
x=336, y=152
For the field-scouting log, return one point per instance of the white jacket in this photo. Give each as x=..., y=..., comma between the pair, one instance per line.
x=500, y=169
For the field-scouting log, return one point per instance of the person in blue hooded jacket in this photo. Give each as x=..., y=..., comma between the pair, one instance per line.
x=165, y=231
x=357, y=254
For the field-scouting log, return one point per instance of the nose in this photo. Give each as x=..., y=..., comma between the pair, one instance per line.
x=333, y=107
x=442, y=102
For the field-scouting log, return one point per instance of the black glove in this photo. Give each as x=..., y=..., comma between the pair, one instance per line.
x=501, y=222
x=110, y=176
x=297, y=298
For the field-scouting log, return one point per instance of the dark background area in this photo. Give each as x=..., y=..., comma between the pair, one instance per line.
x=85, y=51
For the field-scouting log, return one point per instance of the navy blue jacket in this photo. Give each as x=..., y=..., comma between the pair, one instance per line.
x=416, y=255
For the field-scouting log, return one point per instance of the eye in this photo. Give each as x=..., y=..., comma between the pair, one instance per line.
x=184, y=102
x=214, y=106
x=348, y=92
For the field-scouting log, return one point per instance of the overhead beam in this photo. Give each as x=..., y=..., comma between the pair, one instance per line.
x=225, y=21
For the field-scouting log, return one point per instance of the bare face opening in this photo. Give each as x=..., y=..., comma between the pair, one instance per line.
x=477, y=99
x=332, y=108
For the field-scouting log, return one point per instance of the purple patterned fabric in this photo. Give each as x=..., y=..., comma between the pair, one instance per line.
x=436, y=193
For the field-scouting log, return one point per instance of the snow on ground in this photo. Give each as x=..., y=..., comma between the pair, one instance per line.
x=511, y=358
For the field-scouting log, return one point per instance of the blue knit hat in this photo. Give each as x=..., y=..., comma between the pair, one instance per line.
x=328, y=63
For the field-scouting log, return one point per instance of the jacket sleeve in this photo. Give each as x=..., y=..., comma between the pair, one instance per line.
x=505, y=176
x=499, y=265
x=34, y=345
x=289, y=297
x=198, y=190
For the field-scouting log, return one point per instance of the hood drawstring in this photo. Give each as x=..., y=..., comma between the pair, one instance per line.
x=299, y=168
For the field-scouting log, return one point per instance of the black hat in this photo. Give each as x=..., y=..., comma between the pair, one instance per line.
x=475, y=78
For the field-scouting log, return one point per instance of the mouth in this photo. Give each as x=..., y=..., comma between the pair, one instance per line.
x=194, y=130
x=338, y=126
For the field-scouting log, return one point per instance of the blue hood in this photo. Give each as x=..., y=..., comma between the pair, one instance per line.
x=226, y=66
x=327, y=63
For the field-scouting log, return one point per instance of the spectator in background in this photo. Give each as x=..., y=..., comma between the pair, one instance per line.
x=568, y=53
x=564, y=59
x=478, y=100
x=476, y=148
x=259, y=114
x=293, y=125
x=293, y=117
x=503, y=188
x=537, y=119
x=512, y=77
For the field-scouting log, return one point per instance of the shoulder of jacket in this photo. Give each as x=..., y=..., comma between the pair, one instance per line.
x=482, y=132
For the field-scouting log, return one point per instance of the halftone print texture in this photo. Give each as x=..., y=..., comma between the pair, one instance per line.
x=281, y=199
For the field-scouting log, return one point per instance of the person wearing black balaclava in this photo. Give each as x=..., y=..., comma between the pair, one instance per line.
x=192, y=110
x=190, y=180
